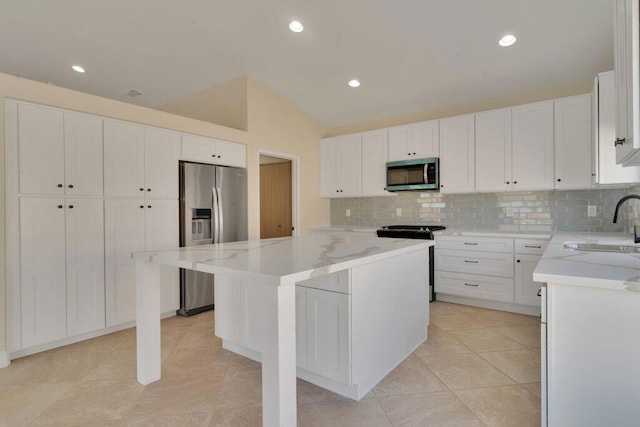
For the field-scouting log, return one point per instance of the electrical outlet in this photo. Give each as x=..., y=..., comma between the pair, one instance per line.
x=592, y=210
x=398, y=211
x=347, y=212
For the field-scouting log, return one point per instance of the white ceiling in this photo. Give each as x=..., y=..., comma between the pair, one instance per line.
x=410, y=55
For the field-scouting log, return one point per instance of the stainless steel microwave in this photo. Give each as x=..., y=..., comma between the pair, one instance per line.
x=415, y=174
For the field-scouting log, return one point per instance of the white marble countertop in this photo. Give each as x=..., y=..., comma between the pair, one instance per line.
x=343, y=228
x=494, y=233
x=285, y=260
x=618, y=271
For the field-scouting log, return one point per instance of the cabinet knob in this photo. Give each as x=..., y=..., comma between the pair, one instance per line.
x=559, y=180
x=141, y=207
x=408, y=154
x=517, y=260
x=414, y=154
x=507, y=182
x=70, y=206
x=149, y=206
x=60, y=206
x=142, y=189
x=619, y=141
x=59, y=185
x=218, y=156
x=148, y=189
x=442, y=185
x=515, y=182
x=70, y=185
x=337, y=191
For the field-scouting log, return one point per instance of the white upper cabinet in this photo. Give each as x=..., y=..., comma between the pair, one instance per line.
x=627, y=81
x=60, y=152
x=140, y=161
x=341, y=166
x=374, y=159
x=457, y=154
x=123, y=159
x=208, y=150
x=532, y=144
x=83, y=150
x=606, y=169
x=161, y=152
x=493, y=151
x=414, y=141
x=573, y=142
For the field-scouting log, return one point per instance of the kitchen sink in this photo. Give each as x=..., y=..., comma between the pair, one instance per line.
x=599, y=247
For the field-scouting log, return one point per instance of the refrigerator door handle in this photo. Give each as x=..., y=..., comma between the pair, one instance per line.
x=220, y=214
x=216, y=220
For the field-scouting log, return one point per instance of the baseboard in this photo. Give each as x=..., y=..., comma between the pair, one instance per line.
x=4, y=359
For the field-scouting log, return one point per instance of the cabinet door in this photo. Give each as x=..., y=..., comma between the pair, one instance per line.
x=85, y=265
x=124, y=234
x=349, y=165
x=328, y=165
x=573, y=142
x=526, y=290
x=457, y=154
x=41, y=150
x=231, y=154
x=328, y=339
x=425, y=141
x=608, y=172
x=123, y=159
x=493, y=150
x=42, y=270
x=83, y=158
x=198, y=149
x=532, y=142
x=161, y=232
x=400, y=143
x=301, y=327
x=374, y=159
x=161, y=155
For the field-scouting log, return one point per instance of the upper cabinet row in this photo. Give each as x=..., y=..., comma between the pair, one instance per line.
x=67, y=153
x=541, y=146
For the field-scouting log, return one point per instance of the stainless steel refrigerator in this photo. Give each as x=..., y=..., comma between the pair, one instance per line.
x=213, y=209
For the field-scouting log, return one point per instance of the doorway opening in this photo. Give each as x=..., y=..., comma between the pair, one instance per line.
x=278, y=195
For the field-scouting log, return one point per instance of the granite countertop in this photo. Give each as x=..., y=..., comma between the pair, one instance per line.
x=285, y=260
x=494, y=233
x=607, y=270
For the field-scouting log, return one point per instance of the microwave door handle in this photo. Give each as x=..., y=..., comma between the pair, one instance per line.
x=425, y=175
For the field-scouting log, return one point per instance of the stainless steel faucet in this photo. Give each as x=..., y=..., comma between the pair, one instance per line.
x=636, y=236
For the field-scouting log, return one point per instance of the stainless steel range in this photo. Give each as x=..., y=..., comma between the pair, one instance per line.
x=415, y=232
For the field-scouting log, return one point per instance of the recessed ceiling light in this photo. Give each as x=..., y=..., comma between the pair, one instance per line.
x=354, y=83
x=78, y=68
x=507, y=40
x=296, y=26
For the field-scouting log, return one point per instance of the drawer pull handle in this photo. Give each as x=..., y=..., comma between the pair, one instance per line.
x=540, y=292
x=470, y=262
x=471, y=243
x=533, y=246
x=471, y=284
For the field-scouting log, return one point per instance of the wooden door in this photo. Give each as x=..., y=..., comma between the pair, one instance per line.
x=275, y=200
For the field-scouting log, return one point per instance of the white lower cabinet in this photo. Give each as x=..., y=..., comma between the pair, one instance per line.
x=526, y=290
x=136, y=225
x=61, y=258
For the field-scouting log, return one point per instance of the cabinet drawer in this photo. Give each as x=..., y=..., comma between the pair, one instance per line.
x=488, y=244
x=336, y=282
x=474, y=262
x=472, y=286
x=530, y=246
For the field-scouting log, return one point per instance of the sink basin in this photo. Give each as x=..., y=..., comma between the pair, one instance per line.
x=598, y=247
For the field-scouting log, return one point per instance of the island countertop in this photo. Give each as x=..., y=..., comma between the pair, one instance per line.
x=285, y=260
x=607, y=270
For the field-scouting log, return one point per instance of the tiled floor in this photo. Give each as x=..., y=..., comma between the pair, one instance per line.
x=478, y=367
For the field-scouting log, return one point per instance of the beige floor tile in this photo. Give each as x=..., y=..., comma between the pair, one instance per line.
x=460, y=371
x=503, y=406
x=121, y=364
x=92, y=402
x=534, y=388
x=311, y=393
x=19, y=405
x=462, y=321
x=428, y=409
x=58, y=365
x=200, y=337
x=485, y=340
x=240, y=365
x=411, y=376
x=196, y=419
x=244, y=416
x=529, y=336
x=523, y=366
x=440, y=345
x=438, y=308
x=102, y=344
x=177, y=396
x=366, y=413
x=240, y=389
x=196, y=362
x=505, y=318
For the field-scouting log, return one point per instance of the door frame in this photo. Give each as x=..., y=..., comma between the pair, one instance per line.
x=295, y=188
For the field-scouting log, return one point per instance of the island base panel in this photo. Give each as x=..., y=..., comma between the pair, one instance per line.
x=148, y=322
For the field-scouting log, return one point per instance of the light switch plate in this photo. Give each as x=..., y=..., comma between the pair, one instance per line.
x=398, y=211
x=347, y=212
x=592, y=210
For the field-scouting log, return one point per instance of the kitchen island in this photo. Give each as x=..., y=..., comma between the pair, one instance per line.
x=387, y=278
x=590, y=332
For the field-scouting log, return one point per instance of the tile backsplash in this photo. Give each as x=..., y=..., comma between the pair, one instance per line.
x=524, y=211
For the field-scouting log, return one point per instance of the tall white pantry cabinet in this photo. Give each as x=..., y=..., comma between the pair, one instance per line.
x=83, y=192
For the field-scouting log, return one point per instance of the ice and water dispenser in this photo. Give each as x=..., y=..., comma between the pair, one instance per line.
x=201, y=224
